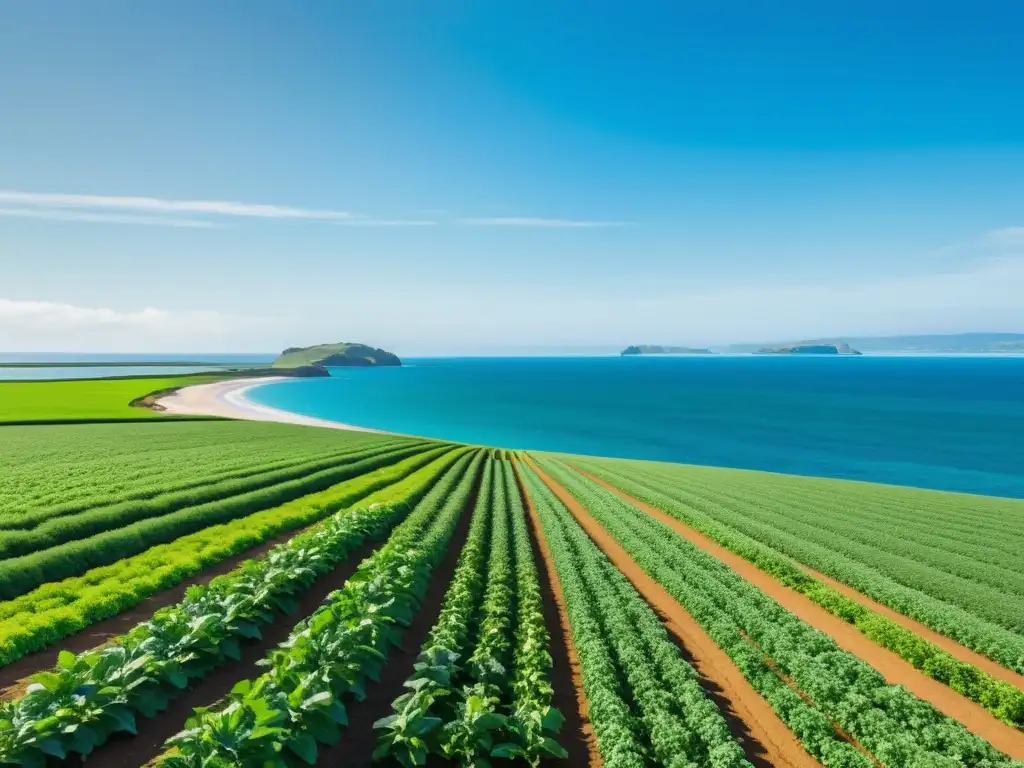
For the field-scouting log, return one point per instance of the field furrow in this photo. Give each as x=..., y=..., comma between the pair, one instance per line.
x=993, y=641
x=894, y=727
x=646, y=703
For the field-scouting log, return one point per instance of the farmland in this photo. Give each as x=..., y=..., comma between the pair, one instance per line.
x=216, y=593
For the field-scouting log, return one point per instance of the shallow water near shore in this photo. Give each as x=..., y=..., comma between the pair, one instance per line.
x=949, y=423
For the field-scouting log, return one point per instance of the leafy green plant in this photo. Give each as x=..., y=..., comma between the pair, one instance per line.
x=412, y=732
x=91, y=695
x=334, y=653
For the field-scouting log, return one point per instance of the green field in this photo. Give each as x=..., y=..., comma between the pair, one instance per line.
x=87, y=399
x=429, y=602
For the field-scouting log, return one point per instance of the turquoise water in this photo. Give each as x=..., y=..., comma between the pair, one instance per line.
x=954, y=423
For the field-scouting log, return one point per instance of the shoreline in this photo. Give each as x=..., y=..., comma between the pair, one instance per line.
x=226, y=399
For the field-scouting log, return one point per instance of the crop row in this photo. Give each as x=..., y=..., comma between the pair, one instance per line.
x=202, y=488
x=645, y=701
x=1000, y=698
x=995, y=642
x=946, y=543
x=73, y=467
x=411, y=733
x=532, y=713
x=19, y=575
x=820, y=691
x=90, y=696
x=992, y=592
x=59, y=530
x=60, y=609
x=281, y=717
x=480, y=689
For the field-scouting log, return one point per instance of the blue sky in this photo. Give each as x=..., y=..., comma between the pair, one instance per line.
x=473, y=176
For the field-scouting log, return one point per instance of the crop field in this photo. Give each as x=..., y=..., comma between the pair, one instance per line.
x=215, y=594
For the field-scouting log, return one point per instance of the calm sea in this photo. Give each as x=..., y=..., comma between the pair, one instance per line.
x=953, y=423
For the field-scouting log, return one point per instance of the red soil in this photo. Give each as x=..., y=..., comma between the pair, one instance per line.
x=768, y=739
x=894, y=669
x=577, y=734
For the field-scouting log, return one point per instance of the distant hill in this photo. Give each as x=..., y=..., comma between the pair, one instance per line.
x=966, y=343
x=331, y=355
x=655, y=349
x=810, y=349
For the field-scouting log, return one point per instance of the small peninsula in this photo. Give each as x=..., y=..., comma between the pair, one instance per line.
x=655, y=349
x=810, y=349
x=323, y=356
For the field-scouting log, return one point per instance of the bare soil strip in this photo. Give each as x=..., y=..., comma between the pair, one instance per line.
x=894, y=669
x=358, y=738
x=126, y=751
x=769, y=740
x=14, y=676
x=577, y=735
x=950, y=646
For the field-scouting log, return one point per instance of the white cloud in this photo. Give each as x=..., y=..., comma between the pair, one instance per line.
x=158, y=205
x=59, y=316
x=529, y=221
x=105, y=218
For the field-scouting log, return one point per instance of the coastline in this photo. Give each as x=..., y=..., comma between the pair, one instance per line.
x=227, y=400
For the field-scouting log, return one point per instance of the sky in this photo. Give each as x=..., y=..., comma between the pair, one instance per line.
x=470, y=176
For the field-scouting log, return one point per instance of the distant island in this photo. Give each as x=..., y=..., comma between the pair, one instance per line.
x=323, y=356
x=810, y=349
x=655, y=349
x=951, y=343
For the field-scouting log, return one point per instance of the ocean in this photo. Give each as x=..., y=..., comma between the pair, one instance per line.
x=950, y=423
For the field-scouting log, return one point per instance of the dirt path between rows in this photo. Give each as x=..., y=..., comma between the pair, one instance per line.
x=894, y=669
x=577, y=735
x=950, y=646
x=767, y=739
x=358, y=738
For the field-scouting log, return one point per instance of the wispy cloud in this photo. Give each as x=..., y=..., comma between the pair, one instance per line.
x=532, y=221
x=163, y=206
x=104, y=218
x=56, y=315
x=388, y=223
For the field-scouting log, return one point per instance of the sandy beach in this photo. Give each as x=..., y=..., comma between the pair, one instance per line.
x=227, y=399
